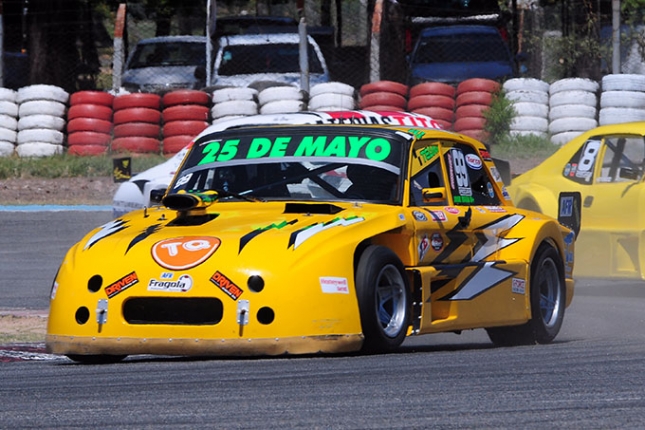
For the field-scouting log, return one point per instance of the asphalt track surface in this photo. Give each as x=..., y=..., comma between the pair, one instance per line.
x=591, y=377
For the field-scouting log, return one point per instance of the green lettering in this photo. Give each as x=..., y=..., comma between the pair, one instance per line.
x=279, y=146
x=259, y=147
x=336, y=147
x=378, y=149
x=355, y=145
x=309, y=147
x=209, y=153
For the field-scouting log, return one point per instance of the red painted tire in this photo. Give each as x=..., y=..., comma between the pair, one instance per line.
x=177, y=128
x=124, y=116
x=474, y=98
x=141, y=129
x=471, y=111
x=432, y=88
x=185, y=97
x=480, y=135
x=89, y=124
x=89, y=111
x=445, y=125
x=87, y=150
x=137, y=100
x=185, y=113
x=91, y=97
x=383, y=98
x=469, y=123
x=84, y=138
x=383, y=108
x=478, y=84
x=174, y=144
x=136, y=144
x=384, y=86
x=431, y=101
x=437, y=113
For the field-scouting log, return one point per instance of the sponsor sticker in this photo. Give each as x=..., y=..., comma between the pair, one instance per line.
x=473, y=161
x=452, y=210
x=491, y=191
x=436, y=242
x=225, y=284
x=181, y=285
x=496, y=209
x=121, y=285
x=54, y=289
x=496, y=175
x=424, y=245
x=334, y=285
x=566, y=206
x=438, y=215
x=184, y=252
x=505, y=193
x=518, y=286
x=419, y=216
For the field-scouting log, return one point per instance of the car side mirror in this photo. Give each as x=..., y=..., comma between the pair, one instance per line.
x=434, y=195
x=157, y=195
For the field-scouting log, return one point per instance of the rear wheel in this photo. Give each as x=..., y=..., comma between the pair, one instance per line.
x=383, y=299
x=547, y=291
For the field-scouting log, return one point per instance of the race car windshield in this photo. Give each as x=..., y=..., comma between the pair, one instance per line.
x=296, y=164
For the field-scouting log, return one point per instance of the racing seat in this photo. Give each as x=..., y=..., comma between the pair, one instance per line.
x=370, y=183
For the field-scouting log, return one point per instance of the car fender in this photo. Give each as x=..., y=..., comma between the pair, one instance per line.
x=535, y=197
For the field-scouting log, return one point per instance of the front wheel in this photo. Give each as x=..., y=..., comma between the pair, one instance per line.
x=547, y=289
x=383, y=299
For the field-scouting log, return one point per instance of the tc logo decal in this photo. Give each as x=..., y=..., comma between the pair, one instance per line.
x=182, y=253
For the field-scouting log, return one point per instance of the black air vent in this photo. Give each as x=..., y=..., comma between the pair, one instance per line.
x=311, y=208
x=185, y=219
x=173, y=311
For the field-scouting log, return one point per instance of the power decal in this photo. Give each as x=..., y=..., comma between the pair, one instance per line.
x=299, y=237
x=147, y=232
x=244, y=240
x=229, y=287
x=481, y=280
x=121, y=285
x=184, y=252
x=106, y=230
x=489, y=240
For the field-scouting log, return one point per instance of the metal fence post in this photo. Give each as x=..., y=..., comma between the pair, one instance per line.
x=304, y=55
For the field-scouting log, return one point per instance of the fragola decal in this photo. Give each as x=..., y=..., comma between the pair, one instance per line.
x=182, y=253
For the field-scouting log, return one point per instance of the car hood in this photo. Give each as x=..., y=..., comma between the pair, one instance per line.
x=457, y=72
x=169, y=75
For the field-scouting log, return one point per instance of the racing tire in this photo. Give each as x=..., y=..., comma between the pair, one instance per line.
x=96, y=359
x=9, y=122
x=437, y=113
x=177, y=128
x=384, y=86
x=547, y=297
x=137, y=114
x=573, y=97
x=478, y=84
x=469, y=123
x=620, y=115
x=477, y=134
x=185, y=113
x=383, y=297
x=136, y=144
x=427, y=101
x=628, y=99
x=235, y=107
x=174, y=144
x=88, y=124
x=530, y=123
x=7, y=149
x=528, y=96
x=143, y=129
x=572, y=124
x=572, y=84
x=92, y=98
x=41, y=121
x=568, y=111
x=333, y=88
x=185, y=97
x=42, y=107
x=443, y=124
x=8, y=95
x=42, y=92
x=432, y=89
x=383, y=98
x=8, y=135
x=38, y=149
x=87, y=150
x=84, y=138
x=474, y=98
x=43, y=135
x=137, y=100
x=89, y=111
x=8, y=108
x=526, y=84
x=275, y=94
x=383, y=108
x=471, y=111
x=623, y=82
x=532, y=109
x=283, y=106
x=233, y=94
x=341, y=101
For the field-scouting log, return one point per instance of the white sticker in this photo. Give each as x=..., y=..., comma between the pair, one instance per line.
x=333, y=285
x=518, y=286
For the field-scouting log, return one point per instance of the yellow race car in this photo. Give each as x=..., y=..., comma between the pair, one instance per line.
x=345, y=235
x=605, y=165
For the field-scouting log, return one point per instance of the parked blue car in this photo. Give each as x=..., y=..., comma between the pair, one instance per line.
x=452, y=54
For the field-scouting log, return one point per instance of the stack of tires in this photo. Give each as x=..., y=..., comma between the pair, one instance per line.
x=530, y=99
x=185, y=114
x=281, y=99
x=434, y=99
x=331, y=96
x=89, y=123
x=137, y=123
x=233, y=102
x=8, y=122
x=622, y=99
x=474, y=96
x=572, y=108
x=41, y=113
x=384, y=96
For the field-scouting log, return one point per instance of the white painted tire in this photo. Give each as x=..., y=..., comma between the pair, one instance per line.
x=42, y=92
x=620, y=115
x=629, y=99
x=41, y=107
x=7, y=121
x=235, y=93
x=528, y=96
x=8, y=108
x=235, y=107
x=564, y=138
x=571, y=124
x=531, y=109
x=7, y=135
x=42, y=135
x=574, y=84
x=332, y=87
x=533, y=123
x=573, y=97
x=38, y=149
x=283, y=106
x=342, y=101
x=275, y=94
x=626, y=82
x=526, y=84
x=6, y=149
x=567, y=111
x=42, y=121
x=8, y=95
x=528, y=133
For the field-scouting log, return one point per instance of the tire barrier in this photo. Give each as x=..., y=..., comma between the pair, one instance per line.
x=332, y=96
x=473, y=97
x=281, y=99
x=383, y=96
x=234, y=102
x=137, y=121
x=8, y=121
x=185, y=114
x=622, y=99
x=89, y=123
x=573, y=108
x=530, y=99
x=41, y=111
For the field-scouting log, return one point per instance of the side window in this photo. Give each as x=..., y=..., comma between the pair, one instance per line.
x=623, y=160
x=581, y=166
x=469, y=180
x=429, y=177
